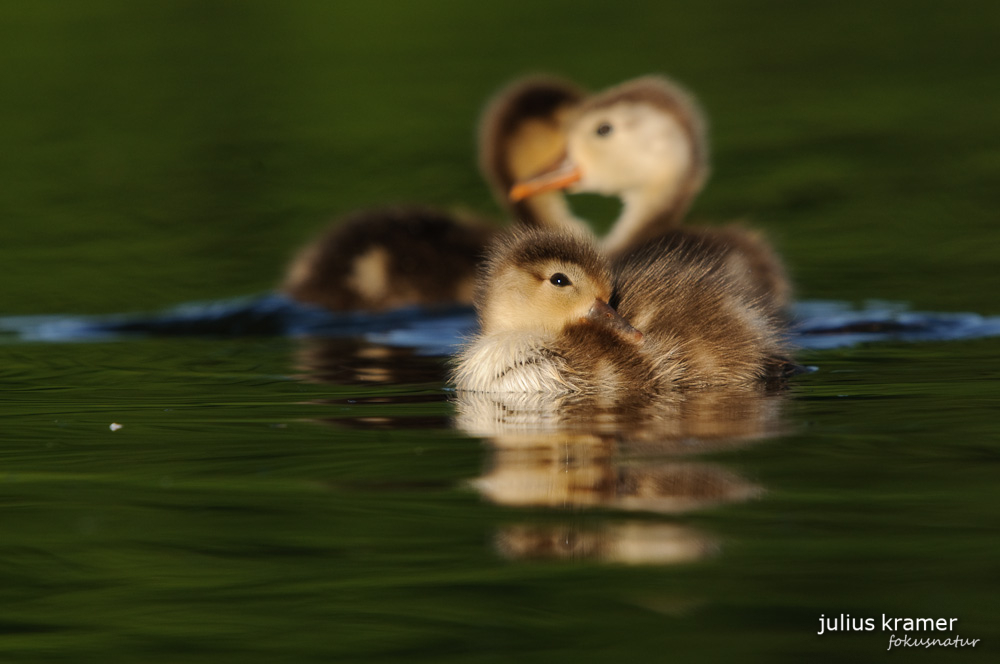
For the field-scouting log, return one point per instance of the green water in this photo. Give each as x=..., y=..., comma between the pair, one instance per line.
x=283, y=498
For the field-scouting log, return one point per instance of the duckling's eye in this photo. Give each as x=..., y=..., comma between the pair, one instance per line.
x=560, y=279
x=604, y=129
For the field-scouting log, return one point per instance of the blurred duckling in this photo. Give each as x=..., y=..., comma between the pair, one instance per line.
x=522, y=132
x=644, y=141
x=389, y=258
x=547, y=324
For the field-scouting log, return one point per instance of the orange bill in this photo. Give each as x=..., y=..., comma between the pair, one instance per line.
x=560, y=177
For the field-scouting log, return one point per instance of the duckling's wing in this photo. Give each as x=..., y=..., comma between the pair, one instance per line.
x=695, y=313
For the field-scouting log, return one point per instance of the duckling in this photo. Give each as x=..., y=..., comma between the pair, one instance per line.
x=521, y=134
x=390, y=258
x=547, y=324
x=644, y=141
x=407, y=256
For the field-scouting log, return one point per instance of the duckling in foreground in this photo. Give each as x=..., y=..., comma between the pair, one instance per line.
x=407, y=256
x=547, y=324
x=644, y=141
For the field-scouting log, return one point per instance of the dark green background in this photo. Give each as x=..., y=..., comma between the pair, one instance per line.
x=162, y=152
x=158, y=153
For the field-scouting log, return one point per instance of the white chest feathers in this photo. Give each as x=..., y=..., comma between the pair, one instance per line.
x=506, y=362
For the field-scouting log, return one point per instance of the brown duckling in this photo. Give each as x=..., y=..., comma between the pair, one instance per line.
x=521, y=134
x=547, y=324
x=644, y=141
x=396, y=257
x=389, y=258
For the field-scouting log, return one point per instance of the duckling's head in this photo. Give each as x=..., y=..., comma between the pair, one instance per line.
x=541, y=282
x=522, y=133
x=521, y=129
x=645, y=135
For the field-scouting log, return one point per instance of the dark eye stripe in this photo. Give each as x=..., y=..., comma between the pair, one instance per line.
x=560, y=279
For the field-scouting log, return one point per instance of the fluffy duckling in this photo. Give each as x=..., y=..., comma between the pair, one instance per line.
x=390, y=258
x=645, y=142
x=547, y=323
x=522, y=132
x=396, y=257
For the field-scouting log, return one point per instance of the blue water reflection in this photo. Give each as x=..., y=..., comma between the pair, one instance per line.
x=818, y=324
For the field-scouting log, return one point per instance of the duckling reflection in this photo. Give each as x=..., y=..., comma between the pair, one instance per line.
x=628, y=542
x=580, y=472
x=351, y=361
x=644, y=142
x=580, y=452
x=692, y=422
x=568, y=477
x=387, y=258
x=344, y=361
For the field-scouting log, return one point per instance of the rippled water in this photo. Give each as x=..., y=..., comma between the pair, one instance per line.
x=318, y=498
x=284, y=484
